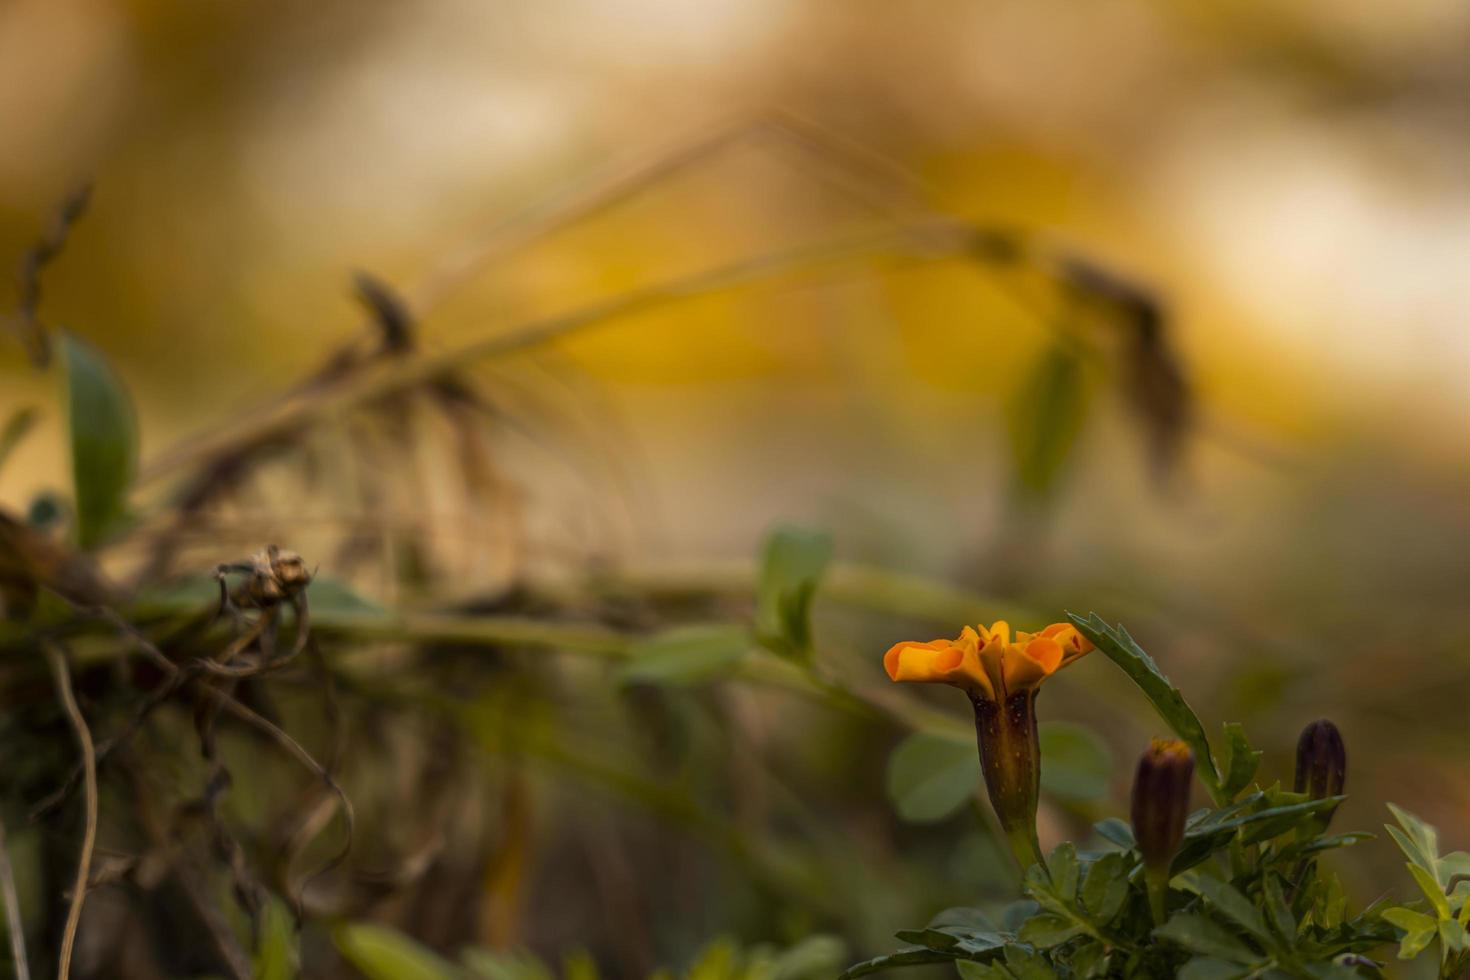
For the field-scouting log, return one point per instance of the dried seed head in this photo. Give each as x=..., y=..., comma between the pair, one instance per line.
x=1321, y=761
x=276, y=576
x=1161, y=800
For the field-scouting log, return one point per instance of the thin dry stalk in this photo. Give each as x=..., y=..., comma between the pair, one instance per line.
x=12, y=912
x=62, y=677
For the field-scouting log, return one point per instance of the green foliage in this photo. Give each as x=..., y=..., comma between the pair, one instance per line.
x=1444, y=912
x=792, y=565
x=277, y=956
x=1246, y=895
x=686, y=655
x=1119, y=647
x=380, y=953
x=104, y=440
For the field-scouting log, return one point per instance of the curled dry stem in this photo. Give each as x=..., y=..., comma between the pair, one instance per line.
x=61, y=675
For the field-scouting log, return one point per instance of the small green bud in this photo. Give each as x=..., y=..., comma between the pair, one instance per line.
x=1321, y=761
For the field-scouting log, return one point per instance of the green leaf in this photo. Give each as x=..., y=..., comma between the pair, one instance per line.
x=1062, y=866
x=1120, y=648
x=1105, y=888
x=1045, y=930
x=960, y=940
x=1075, y=763
x=812, y=958
x=1117, y=832
x=1239, y=761
x=971, y=970
x=1227, y=900
x=931, y=776
x=104, y=440
x=1418, y=840
x=792, y=565
x=1204, y=936
x=1302, y=849
x=579, y=965
x=380, y=953
x=686, y=655
x=1088, y=960
x=1208, y=968
x=1454, y=866
x=1046, y=417
x=1452, y=936
x=506, y=965
x=890, y=961
x=1027, y=965
x=1419, y=930
x=1429, y=885
x=1282, y=919
x=16, y=428
x=276, y=955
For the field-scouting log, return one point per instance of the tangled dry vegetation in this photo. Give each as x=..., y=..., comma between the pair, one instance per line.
x=195, y=752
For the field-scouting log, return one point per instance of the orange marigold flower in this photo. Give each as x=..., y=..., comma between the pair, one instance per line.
x=987, y=662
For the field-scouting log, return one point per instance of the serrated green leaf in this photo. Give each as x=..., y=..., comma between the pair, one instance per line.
x=1121, y=649
x=1046, y=930
x=1046, y=416
x=1075, y=763
x=104, y=440
x=931, y=776
x=1205, y=937
x=686, y=655
x=1239, y=761
x=380, y=953
x=1105, y=888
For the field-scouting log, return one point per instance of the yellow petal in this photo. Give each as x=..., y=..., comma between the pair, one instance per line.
x=999, y=630
x=1029, y=665
x=938, y=662
x=1074, y=644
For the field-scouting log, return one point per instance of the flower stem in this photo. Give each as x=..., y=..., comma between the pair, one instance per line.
x=1010, y=758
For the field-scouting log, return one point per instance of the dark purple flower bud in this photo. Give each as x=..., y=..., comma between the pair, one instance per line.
x=1321, y=761
x=1161, y=800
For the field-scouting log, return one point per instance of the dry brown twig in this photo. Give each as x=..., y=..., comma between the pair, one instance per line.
x=61, y=675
